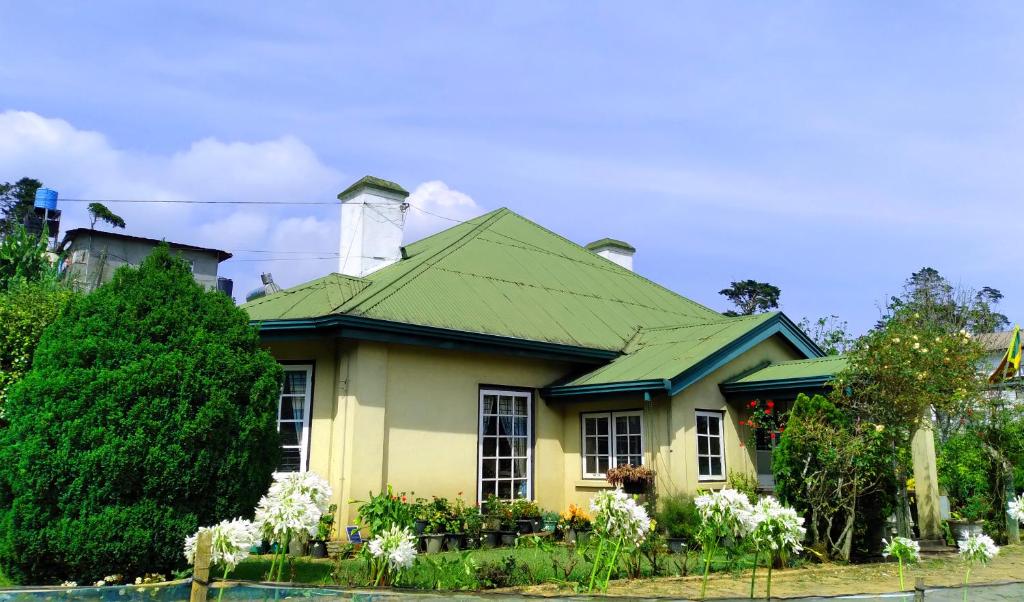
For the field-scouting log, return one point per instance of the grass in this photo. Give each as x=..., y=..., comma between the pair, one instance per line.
x=4, y=581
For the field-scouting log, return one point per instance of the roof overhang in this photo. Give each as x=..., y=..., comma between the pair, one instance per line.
x=369, y=329
x=777, y=325
x=778, y=388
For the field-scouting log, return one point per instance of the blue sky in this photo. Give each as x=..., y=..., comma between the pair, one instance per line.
x=829, y=148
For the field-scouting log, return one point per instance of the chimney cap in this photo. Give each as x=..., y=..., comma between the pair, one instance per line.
x=372, y=182
x=605, y=243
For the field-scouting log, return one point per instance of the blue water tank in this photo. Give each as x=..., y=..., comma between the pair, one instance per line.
x=46, y=199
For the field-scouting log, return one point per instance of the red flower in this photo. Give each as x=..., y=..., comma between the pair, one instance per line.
x=773, y=435
x=403, y=499
x=753, y=403
x=770, y=403
x=768, y=411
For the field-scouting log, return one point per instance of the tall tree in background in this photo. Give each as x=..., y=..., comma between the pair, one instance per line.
x=750, y=297
x=98, y=212
x=16, y=201
x=830, y=333
x=935, y=299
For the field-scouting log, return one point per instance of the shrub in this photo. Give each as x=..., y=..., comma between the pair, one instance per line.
x=679, y=517
x=508, y=572
x=150, y=410
x=965, y=472
x=386, y=509
x=744, y=482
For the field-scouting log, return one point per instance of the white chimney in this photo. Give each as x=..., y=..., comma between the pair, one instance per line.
x=614, y=250
x=372, y=217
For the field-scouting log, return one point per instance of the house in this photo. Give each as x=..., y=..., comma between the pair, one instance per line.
x=497, y=357
x=92, y=256
x=995, y=345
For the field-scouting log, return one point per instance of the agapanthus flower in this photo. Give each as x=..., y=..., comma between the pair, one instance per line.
x=231, y=540
x=773, y=526
x=727, y=508
x=978, y=548
x=277, y=516
x=618, y=515
x=1016, y=508
x=287, y=484
x=397, y=545
x=902, y=548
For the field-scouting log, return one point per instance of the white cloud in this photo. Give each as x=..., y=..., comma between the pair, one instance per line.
x=436, y=206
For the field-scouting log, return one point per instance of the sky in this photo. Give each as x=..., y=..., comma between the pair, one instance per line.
x=829, y=148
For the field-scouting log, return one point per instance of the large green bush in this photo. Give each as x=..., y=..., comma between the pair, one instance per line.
x=149, y=409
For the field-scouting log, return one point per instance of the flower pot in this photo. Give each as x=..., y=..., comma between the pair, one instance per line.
x=538, y=524
x=676, y=545
x=508, y=538
x=318, y=549
x=453, y=541
x=434, y=541
x=569, y=536
x=419, y=526
x=550, y=525
x=635, y=487
x=524, y=526
x=962, y=529
x=491, y=539
x=491, y=523
x=297, y=547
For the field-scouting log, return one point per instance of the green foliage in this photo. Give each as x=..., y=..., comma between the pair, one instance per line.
x=965, y=470
x=16, y=200
x=99, y=212
x=507, y=572
x=380, y=512
x=744, y=482
x=23, y=259
x=751, y=296
x=830, y=333
x=150, y=409
x=679, y=517
x=25, y=310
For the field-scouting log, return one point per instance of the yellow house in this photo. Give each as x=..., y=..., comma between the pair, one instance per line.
x=498, y=357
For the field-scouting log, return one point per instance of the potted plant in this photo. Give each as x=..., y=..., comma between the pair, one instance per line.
x=472, y=523
x=419, y=511
x=521, y=516
x=508, y=525
x=550, y=521
x=323, y=533
x=436, y=514
x=490, y=521
x=574, y=523
x=455, y=530
x=968, y=519
x=632, y=479
x=681, y=520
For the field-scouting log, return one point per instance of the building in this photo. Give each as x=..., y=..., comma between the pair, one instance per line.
x=996, y=345
x=92, y=256
x=498, y=357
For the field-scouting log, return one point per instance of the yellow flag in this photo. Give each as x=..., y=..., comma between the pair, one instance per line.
x=1010, y=365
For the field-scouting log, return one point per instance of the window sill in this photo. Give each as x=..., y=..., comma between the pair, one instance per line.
x=593, y=484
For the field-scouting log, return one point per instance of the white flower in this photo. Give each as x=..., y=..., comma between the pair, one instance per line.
x=727, y=508
x=1016, y=508
x=287, y=484
x=775, y=527
x=231, y=541
x=138, y=581
x=277, y=516
x=978, y=548
x=903, y=549
x=99, y=583
x=69, y=584
x=397, y=545
x=618, y=515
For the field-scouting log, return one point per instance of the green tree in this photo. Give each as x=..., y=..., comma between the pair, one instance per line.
x=23, y=258
x=750, y=297
x=928, y=293
x=16, y=200
x=99, y=212
x=830, y=333
x=150, y=409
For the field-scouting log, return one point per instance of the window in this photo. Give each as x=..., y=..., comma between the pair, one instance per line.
x=506, y=450
x=710, y=448
x=293, y=418
x=611, y=439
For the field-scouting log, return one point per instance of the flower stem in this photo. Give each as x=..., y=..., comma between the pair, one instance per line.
x=753, y=576
x=597, y=563
x=220, y=594
x=900, y=559
x=709, y=553
x=768, y=592
x=611, y=564
x=967, y=576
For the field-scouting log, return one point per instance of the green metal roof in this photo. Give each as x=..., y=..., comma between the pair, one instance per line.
x=373, y=182
x=498, y=274
x=820, y=367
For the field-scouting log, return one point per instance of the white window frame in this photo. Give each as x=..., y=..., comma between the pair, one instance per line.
x=720, y=417
x=612, y=451
x=303, y=445
x=480, y=440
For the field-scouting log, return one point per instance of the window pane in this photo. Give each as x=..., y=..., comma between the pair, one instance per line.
x=634, y=445
x=634, y=425
x=590, y=465
x=519, y=447
x=520, y=427
x=505, y=490
x=590, y=447
x=702, y=425
x=621, y=425
x=589, y=426
x=716, y=466
x=294, y=382
x=490, y=446
x=519, y=467
x=505, y=405
x=291, y=460
x=716, y=446
x=713, y=424
x=490, y=404
x=504, y=468
x=622, y=445
x=602, y=446
x=487, y=488
x=602, y=426
x=504, y=447
x=520, y=406
x=487, y=469
x=602, y=464
x=520, y=488
x=703, y=467
x=702, y=445
x=291, y=433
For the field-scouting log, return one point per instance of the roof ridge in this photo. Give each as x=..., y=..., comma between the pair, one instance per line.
x=556, y=234
x=413, y=273
x=807, y=360
x=724, y=320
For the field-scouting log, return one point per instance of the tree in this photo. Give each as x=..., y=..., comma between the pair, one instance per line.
x=16, y=200
x=99, y=212
x=750, y=296
x=928, y=293
x=150, y=409
x=23, y=258
x=830, y=334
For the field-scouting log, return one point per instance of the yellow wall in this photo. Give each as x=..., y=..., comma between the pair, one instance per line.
x=408, y=416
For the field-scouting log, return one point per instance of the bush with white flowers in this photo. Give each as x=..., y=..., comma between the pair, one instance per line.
x=291, y=508
x=391, y=552
x=724, y=513
x=774, y=530
x=619, y=522
x=976, y=549
x=230, y=544
x=1016, y=508
x=904, y=550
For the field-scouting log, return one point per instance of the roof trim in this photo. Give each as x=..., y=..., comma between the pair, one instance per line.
x=375, y=183
x=777, y=324
x=782, y=385
x=370, y=329
x=604, y=243
x=72, y=233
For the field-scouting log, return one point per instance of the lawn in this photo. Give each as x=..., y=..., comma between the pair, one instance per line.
x=4, y=581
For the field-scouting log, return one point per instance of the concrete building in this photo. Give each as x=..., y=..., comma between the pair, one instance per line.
x=92, y=256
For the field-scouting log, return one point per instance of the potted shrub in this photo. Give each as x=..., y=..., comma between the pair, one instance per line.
x=574, y=524
x=455, y=530
x=323, y=533
x=490, y=521
x=632, y=479
x=680, y=519
x=521, y=515
x=968, y=520
x=550, y=521
x=508, y=525
x=420, y=512
x=472, y=523
x=437, y=515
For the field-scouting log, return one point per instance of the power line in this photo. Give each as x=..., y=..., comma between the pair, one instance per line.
x=192, y=202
